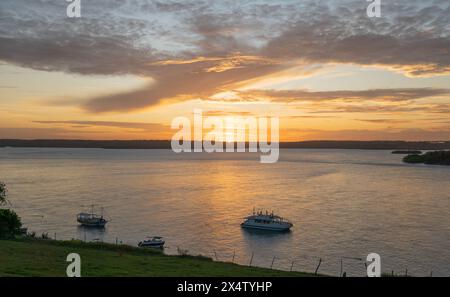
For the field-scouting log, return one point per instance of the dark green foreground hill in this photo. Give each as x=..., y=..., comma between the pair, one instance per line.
x=34, y=257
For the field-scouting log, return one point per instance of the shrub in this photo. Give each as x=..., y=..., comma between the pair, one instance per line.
x=3, y=192
x=10, y=223
x=182, y=253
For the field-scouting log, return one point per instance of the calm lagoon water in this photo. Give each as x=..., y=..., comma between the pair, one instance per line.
x=343, y=203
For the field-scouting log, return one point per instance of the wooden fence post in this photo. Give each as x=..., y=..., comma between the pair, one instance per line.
x=317, y=268
x=273, y=260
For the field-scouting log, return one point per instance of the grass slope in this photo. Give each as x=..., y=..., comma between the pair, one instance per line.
x=33, y=257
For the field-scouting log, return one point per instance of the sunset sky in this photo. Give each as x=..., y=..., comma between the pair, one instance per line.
x=126, y=68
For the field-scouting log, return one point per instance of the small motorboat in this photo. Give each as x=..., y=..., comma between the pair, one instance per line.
x=153, y=242
x=91, y=219
x=267, y=221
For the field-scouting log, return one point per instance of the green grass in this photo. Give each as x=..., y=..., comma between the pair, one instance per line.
x=34, y=257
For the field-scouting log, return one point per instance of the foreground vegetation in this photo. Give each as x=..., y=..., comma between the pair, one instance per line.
x=40, y=257
x=430, y=158
x=10, y=224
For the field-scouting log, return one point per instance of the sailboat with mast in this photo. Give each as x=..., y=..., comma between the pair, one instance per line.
x=92, y=219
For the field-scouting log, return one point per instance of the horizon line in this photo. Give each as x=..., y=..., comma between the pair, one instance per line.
x=168, y=140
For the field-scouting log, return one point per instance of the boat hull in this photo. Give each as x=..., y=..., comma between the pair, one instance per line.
x=151, y=245
x=91, y=220
x=98, y=224
x=268, y=227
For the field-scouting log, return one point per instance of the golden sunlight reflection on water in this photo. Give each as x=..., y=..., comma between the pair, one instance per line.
x=342, y=203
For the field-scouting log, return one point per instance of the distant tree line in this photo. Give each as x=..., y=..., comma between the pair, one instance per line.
x=165, y=144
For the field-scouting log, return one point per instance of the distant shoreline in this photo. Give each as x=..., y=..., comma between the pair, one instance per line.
x=165, y=144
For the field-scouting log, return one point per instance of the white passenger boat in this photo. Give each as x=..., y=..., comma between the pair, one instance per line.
x=267, y=221
x=91, y=219
x=152, y=242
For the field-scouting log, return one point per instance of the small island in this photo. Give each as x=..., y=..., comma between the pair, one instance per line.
x=429, y=158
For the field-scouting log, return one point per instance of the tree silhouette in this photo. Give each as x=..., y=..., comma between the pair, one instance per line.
x=10, y=223
x=3, y=192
